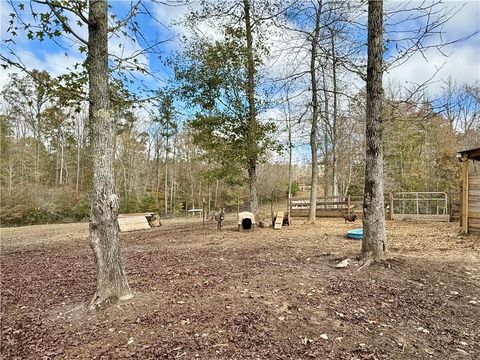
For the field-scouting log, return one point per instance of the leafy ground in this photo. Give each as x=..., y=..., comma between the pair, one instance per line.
x=203, y=293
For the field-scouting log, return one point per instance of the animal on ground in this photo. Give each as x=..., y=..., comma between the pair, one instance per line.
x=219, y=217
x=350, y=217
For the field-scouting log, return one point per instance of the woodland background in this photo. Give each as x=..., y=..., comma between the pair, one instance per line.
x=183, y=145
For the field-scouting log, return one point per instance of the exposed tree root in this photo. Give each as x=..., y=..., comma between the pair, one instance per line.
x=100, y=302
x=366, y=259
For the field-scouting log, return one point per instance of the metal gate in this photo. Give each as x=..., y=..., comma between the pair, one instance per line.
x=431, y=206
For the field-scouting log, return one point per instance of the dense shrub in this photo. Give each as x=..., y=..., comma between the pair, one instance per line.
x=44, y=205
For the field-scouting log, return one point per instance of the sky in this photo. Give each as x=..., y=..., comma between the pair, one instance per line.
x=462, y=62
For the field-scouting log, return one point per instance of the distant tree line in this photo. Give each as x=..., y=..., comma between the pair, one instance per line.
x=165, y=166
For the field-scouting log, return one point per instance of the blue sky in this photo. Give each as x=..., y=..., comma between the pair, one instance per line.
x=462, y=63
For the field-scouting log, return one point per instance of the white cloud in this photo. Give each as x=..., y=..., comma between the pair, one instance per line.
x=466, y=21
x=462, y=65
x=463, y=60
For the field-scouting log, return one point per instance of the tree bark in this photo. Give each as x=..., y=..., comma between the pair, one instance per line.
x=173, y=176
x=290, y=150
x=250, y=90
x=77, y=181
x=326, y=132
x=165, y=184
x=373, y=244
x=315, y=112
x=335, y=118
x=104, y=233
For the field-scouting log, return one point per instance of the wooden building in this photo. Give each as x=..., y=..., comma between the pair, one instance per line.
x=470, y=219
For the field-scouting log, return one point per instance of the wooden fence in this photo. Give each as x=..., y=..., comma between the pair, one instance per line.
x=333, y=206
x=400, y=205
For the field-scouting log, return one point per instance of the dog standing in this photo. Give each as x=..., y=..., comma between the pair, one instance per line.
x=350, y=217
x=219, y=217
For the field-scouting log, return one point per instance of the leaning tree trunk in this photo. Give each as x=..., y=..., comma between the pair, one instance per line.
x=104, y=238
x=373, y=245
x=252, y=122
x=315, y=113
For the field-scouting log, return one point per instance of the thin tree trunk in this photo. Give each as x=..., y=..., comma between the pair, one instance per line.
x=200, y=192
x=77, y=184
x=57, y=167
x=173, y=176
x=62, y=160
x=157, y=160
x=165, y=190
x=325, y=159
x=209, y=199
x=335, y=120
x=252, y=161
x=290, y=148
x=349, y=178
x=216, y=196
x=315, y=112
x=373, y=244
x=326, y=123
x=37, y=141
x=10, y=178
x=104, y=238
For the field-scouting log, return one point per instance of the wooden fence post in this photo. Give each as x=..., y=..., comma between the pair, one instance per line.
x=460, y=198
x=465, y=197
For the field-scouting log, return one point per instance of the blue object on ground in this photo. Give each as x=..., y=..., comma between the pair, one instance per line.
x=356, y=234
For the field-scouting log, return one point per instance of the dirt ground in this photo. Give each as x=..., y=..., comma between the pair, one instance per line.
x=207, y=294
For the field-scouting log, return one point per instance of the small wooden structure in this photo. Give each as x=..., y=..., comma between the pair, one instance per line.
x=131, y=222
x=193, y=212
x=277, y=225
x=246, y=221
x=470, y=218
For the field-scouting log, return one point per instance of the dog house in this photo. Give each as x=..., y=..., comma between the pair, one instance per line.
x=470, y=217
x=246, y=221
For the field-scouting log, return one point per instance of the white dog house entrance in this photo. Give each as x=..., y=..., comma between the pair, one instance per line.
x=246, y=221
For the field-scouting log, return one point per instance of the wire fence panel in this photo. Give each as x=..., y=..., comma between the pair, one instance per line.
x=421, y=205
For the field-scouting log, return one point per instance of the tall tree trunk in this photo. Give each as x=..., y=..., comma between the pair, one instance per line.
x=252, y=125
x=216, y=204
x=36, y=132
x=10, y=178
x=62, y=161
x=104, y=238
x=335, y=119
x=173, y=176
x=326, y=131
x=158, y=177
x=290, y=150
x=325, y=159
x=373, y=244
x=209, y=199
x=315, y=111
x=165, y=189
x=57, y=167
x=77, y=183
